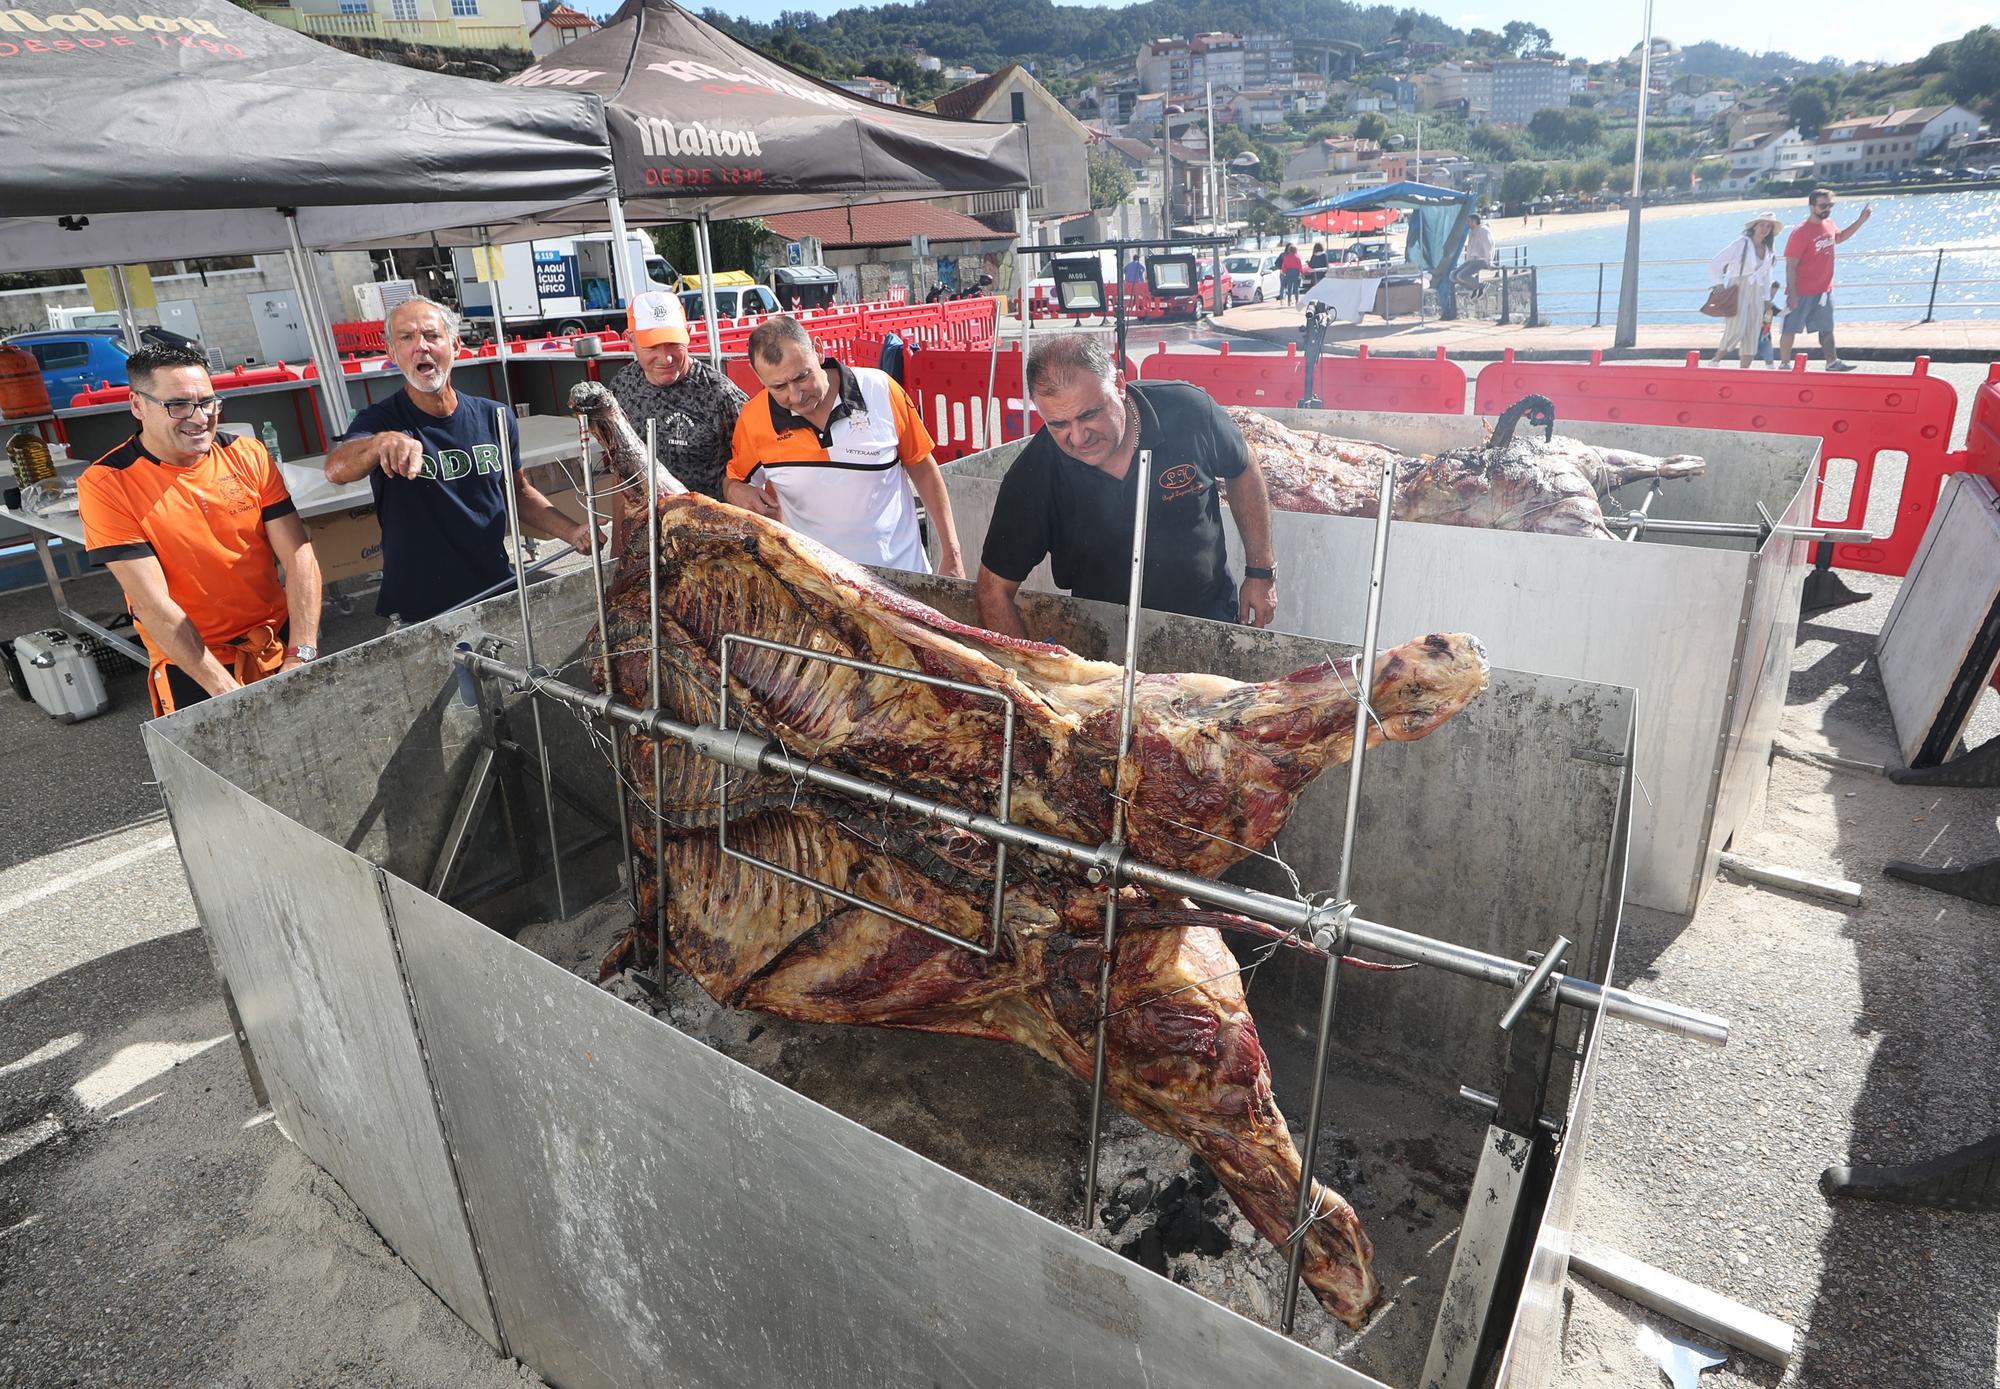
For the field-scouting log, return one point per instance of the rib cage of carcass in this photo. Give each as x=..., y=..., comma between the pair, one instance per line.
x=1552, y=485
x=1215, y=768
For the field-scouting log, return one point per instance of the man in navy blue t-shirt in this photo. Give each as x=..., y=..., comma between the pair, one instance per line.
x=432, y=457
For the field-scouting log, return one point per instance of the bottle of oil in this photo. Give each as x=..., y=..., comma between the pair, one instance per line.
x=30, y=457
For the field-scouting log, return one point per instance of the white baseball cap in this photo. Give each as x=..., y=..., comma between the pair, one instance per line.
x=656, y=317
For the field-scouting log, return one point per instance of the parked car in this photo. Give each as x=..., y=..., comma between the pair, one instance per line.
x=1253, y=278
x=75, y=359
x=1964, y=175
x=731, y=301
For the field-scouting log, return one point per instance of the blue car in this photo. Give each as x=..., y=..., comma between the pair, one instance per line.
x=75, y=359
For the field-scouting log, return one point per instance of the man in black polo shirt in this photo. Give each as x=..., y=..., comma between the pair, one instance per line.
x=1070, y=496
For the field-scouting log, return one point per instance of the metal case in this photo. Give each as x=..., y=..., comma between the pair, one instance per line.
x=62, y=677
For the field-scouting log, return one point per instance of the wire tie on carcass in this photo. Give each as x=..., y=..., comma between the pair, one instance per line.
x=1313, y=1216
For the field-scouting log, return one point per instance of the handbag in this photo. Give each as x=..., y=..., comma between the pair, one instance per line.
x=1724, y=300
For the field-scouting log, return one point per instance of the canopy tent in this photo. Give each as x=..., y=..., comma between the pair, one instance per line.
x=129, y=137
x=1438, y=218
x=1352, y=223
x=702, y=125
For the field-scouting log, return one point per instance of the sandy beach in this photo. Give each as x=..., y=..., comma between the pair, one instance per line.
x=1512, y=231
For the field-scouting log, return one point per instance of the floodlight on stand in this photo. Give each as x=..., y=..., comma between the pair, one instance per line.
x=1171, y=274
x=1079, y=284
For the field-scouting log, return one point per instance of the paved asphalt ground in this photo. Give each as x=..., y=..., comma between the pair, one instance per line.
x=156, y=1230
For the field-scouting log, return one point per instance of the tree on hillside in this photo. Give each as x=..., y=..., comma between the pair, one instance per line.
x=1111, y=183
x=1810, y=105
x=1371, y=127
x=1484, y=40
x=1589, y=177
x=1524, y=40
x=1974, y=75
x=1556, y=128
x=1405, y=22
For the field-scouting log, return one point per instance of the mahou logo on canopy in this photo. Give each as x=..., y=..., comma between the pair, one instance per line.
x=692, y=139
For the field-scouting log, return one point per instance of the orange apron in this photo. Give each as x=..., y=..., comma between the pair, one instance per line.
x=251, y=657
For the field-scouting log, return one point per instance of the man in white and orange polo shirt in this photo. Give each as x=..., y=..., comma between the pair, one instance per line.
x=840, y=454
x=193, y=523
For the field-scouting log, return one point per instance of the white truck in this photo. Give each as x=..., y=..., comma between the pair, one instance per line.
x=563, y=285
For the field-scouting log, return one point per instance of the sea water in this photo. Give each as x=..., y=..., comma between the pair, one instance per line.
x=1884, y=270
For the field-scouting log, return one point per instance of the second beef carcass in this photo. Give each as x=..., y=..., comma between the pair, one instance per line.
x=1516, y=481
x=1215, y=770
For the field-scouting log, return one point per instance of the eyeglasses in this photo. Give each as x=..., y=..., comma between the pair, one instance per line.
x=184, y=409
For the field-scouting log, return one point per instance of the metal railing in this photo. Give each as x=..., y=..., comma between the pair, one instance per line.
x=464, y=32
x=1918, y=286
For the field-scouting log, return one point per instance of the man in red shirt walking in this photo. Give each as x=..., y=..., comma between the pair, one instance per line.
x=1809, y=276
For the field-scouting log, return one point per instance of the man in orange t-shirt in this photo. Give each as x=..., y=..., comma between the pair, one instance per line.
x=193, y=524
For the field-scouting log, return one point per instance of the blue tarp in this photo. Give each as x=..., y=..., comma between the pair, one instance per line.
x=1437, y=224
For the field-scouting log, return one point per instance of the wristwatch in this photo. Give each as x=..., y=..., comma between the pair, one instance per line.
x=302, y=652
x=1267, y=572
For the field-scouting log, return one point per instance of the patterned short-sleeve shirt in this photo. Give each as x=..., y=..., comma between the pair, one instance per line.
x=697, y=418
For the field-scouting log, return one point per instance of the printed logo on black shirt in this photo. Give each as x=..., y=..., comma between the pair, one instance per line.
x=1183, y=480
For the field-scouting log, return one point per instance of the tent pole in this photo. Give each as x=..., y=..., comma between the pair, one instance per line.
x=499, y=329
x=332, y=381
x=1021, y=262
x=622, y=282
x=705, y=257
x=128, y=323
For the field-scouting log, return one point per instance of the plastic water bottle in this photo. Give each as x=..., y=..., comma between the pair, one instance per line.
x=269, y=434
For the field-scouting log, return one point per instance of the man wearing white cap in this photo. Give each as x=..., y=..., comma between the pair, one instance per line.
x=695, y=405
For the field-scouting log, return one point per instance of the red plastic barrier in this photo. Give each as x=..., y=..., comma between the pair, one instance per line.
x=360, y=337
x=1982, y=435
x=948, y=387
x=1856, y=418
x=1413, y=385
x=223, y=381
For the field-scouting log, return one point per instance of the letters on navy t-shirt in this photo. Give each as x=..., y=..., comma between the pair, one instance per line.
x=1080, y=518
x=444, y=532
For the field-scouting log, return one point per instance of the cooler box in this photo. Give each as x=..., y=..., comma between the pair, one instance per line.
x=61, y=676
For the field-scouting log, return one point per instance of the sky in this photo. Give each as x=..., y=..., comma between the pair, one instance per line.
x=1853, y=30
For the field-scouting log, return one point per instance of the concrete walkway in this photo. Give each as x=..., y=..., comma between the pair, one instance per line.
x=1959, y=340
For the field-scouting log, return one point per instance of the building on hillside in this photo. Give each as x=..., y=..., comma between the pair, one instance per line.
x=1332, y=165
x=1523, y=86
x=1937, y=127
x=559, y=27
x=1149, y=109
x=1219, y=60
x=1751, y=121
x=1116, y=99
x=1268, y=61
x=1165, y=65
x=1058, y=146
x=1309, y=93
x=1710, y=104
x=1464, y=89
x=1840, y=151
x=1776, y=155
x=871, y=89
x=869, y=247
x=961, y=72
x=1257, y=107
x=495, y=24
x=1398, y=92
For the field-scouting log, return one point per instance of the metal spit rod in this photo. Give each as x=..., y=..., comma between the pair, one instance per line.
x=1638, y=521
x=653, y=626
x=1364, y=678
x=750, y=753
x=502, y=418
x=618, y=733
x=1143, y=462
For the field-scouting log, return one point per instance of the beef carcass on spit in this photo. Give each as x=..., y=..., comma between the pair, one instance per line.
x=1551, y=485
x=1216, y=767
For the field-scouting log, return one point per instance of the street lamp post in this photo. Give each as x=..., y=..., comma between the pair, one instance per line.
x=1628, y=283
